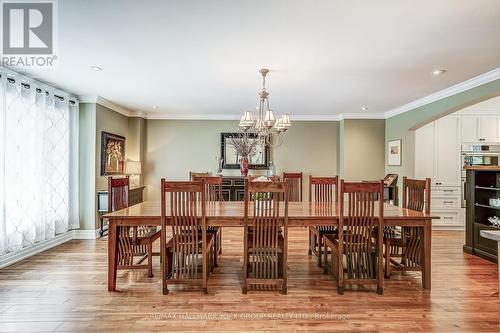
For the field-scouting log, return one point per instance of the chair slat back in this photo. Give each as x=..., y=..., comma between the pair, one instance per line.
x=358, y=223
x=188, y=217
x=193, y=174
x=294, y=180
x=213, y=187
x=118, y=190
x=417, y=194
x=265, y=226
x=323, y=189
x=272, y=178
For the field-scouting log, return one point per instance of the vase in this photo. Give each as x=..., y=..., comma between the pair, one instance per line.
x=244, y=166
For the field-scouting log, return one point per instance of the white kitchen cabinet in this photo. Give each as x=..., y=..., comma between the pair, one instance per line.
x=437, y=151
x=480, y=128
x=424, y=152
x=488, y=129
x=438, y=156
x=447, y=151
x=470, y=128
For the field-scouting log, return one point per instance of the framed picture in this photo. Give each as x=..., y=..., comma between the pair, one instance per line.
x=394, y=152
x=112, y=154
x=231, y=159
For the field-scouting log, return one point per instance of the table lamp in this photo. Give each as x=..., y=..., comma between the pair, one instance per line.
x=133, y=169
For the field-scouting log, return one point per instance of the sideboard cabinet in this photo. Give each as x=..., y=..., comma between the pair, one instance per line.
x=233, y=188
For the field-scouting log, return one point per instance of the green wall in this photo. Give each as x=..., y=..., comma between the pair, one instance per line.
x=93, y=119
x=113, y=122
x=86, y=165
x=403, y=125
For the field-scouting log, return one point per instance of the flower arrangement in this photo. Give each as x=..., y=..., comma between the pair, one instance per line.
x=114, y=150
x=244, y=145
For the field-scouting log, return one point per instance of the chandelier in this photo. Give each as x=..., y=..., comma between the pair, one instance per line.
x=266, y=127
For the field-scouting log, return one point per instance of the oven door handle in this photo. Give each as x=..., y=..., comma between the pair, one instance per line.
x=480, y=154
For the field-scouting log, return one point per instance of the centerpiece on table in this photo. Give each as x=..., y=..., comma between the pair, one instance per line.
x=245, y=147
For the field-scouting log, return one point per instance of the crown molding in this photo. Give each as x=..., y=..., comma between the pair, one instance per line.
x=450, y=91
x=110, y=105
x=360, y=116
x=235, y=117
x=191, y=116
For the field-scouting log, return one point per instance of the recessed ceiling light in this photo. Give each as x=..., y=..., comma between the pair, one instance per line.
x=155, y=106
x=96, y=68
x=437, y=72
x=364, y=108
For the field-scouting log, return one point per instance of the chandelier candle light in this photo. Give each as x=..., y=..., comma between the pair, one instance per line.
x=265, y=128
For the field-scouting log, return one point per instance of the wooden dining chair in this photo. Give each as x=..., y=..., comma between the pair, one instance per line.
x=356, y=255
x=294, y=180
x=186, y=257
x=272, y=178
x=213, y=193
x=265, y=236
x=323, y=190
x=193, y=174
x=406, y=243
x=134, y=241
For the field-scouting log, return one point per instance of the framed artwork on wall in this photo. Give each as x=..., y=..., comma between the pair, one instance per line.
x=112, y=154
x=394, y=152
x=231, y=160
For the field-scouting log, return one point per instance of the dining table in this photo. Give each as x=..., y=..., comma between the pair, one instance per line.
x=230, y=214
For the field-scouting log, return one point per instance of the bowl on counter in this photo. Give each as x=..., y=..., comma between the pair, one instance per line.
x=495, y=202
x=494, y=221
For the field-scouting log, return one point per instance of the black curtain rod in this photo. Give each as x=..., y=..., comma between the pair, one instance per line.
x=38, y=90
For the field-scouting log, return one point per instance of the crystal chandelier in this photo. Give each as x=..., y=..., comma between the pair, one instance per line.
x=266, y=127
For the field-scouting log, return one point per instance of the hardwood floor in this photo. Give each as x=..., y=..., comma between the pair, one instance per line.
x=64, y=289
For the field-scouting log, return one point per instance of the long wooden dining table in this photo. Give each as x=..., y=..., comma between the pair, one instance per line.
x=231, y=214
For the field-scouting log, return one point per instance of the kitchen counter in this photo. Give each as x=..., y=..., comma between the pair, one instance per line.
x=494, y=235
x=491, y=234
x=482, y=167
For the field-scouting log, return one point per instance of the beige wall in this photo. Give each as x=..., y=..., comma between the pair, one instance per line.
x=175, y=147
x=136, y=142
x=363, y=149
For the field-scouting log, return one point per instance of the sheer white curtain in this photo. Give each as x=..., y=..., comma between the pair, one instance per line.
x=38, y=163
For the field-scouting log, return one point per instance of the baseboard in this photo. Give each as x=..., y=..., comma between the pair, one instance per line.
x=86, y=234
x=10, y=259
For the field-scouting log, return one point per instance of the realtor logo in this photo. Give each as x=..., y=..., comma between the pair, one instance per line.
x=28, y=29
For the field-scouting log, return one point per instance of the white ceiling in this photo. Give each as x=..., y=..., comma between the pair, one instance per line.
x=200, y=59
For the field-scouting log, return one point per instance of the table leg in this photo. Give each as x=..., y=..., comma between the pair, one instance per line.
x=426, y=255
x=101, y=222
x=112, y=254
